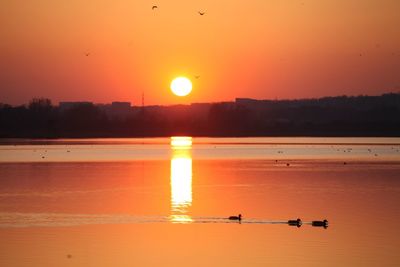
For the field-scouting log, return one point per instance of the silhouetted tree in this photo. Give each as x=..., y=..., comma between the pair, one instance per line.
x=83, y=120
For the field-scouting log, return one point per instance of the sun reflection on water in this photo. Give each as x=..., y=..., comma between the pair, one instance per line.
x=181, y=179
x=181, y=142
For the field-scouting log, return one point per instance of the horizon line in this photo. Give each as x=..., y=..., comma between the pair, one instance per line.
x=212, y=102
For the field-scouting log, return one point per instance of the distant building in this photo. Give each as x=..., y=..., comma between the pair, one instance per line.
x=200, y=110
x=246, y=101
x=63, y=106
x=119, y=110
x=121, y=105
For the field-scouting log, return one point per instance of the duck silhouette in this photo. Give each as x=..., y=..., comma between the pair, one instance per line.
x=297, y=222
x=236, y=218
x=323, y=223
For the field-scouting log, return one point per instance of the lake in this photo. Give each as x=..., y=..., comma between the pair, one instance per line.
x=165, y=201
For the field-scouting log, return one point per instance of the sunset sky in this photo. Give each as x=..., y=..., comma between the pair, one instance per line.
x=263, y=49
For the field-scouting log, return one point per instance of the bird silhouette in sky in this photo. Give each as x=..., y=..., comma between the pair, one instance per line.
x=154, y=7
x=197, y=76
x=87, y=54
x=202, y=13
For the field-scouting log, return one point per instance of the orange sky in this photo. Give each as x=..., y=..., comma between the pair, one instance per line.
x=258, y=49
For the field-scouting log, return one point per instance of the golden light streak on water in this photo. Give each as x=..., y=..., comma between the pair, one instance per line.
x=181, y=179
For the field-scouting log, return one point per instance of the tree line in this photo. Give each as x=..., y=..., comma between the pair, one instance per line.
x=334, y=116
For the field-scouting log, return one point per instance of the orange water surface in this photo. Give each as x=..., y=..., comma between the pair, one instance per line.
x=166, y=202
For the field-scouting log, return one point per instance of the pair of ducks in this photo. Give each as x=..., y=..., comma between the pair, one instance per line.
x=298, y=223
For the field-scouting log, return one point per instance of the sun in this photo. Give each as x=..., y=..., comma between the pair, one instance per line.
x=181, y=86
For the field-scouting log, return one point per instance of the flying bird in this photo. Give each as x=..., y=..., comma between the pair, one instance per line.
x=154, y=7
x=197, y=76
x=202, y=13
x=87, y=54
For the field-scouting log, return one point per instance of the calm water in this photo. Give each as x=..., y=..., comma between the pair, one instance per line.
x=150, y=202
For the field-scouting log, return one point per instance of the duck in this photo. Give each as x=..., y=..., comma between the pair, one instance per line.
x=297, y=222
x=236, y=218
x=323, y=223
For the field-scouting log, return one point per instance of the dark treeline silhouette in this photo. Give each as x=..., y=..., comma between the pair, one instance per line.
x=329, y=116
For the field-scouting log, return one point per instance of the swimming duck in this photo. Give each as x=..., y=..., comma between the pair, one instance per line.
x=237, y=218
x=297, y=222
x=323, y=223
